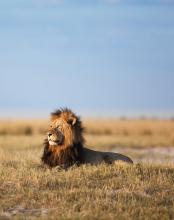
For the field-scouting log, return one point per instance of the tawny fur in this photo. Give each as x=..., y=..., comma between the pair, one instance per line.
x=67, y=144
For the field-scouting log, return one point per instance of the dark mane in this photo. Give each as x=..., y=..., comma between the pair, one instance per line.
x=66, y=157
x=59, y=111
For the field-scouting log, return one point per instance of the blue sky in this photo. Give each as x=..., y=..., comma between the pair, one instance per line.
x=99, y=56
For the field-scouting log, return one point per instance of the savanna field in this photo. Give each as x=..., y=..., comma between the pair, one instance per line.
x=29, y=190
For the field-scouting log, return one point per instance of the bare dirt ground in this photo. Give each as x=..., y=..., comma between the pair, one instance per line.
x=157, y=155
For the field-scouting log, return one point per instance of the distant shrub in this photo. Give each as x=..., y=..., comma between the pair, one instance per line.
x=28, y=130
x=3, y=132
x=147, y=132
x=107, y=131
x=123, y=118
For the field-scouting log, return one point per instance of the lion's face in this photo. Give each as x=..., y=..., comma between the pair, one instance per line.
x=63, y=129
x=55, y=137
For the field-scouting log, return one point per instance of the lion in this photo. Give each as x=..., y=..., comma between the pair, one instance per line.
x=64, y=145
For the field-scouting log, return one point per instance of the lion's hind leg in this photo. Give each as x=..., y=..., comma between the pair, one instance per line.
x=110, y=158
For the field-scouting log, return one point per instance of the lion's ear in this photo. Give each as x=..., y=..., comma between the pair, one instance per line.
x=72, y=120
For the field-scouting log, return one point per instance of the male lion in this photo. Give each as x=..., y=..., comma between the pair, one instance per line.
x=64, y=145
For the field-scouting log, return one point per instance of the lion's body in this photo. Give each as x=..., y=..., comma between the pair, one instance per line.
x=65, y=144
x=96, y=157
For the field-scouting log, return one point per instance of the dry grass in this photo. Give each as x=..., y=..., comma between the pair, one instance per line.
x=105, y=133
x=88, y=192
x=22, y=127
x=28, y=190
x=131, y=133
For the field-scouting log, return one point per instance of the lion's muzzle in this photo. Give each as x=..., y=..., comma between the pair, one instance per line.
x=55, y=137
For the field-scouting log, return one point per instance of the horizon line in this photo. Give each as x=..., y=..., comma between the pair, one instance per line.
x=91, y=113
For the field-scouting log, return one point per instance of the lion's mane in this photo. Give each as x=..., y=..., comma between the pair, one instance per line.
x=69, y=154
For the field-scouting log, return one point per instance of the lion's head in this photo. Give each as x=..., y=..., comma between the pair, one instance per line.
x=64, y=138
x=65, y=129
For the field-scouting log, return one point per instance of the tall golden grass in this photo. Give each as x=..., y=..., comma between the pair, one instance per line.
x=102, y=132
x=22, y=127
x=94, y=126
